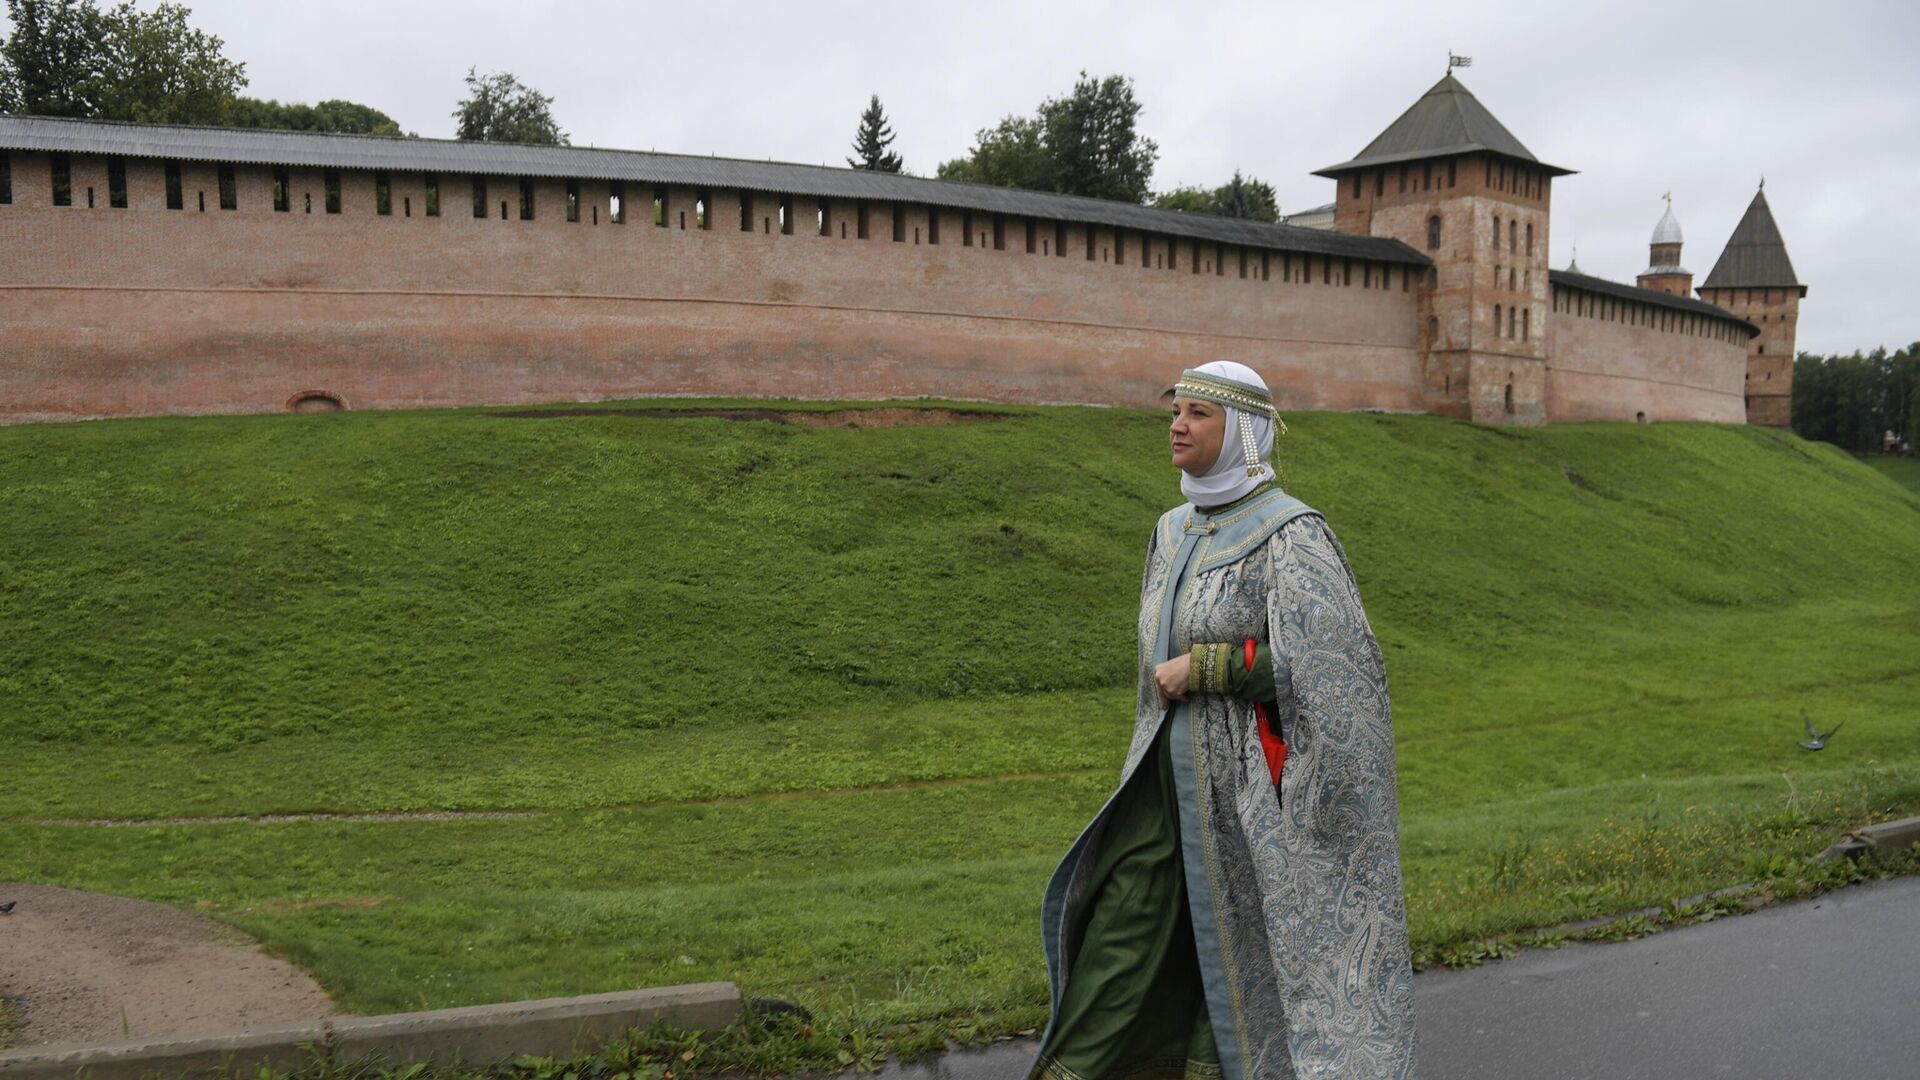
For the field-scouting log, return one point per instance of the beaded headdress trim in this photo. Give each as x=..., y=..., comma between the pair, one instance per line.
x=1256, y=399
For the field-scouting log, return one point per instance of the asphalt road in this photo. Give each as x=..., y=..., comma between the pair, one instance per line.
x=1818, y=989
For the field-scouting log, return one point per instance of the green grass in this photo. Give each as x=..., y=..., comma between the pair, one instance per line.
x=1904, y=471
x=817, y=709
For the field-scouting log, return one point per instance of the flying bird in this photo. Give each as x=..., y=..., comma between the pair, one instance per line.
x=1815, y=740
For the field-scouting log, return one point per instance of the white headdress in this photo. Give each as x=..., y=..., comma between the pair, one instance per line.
x=1251, y=420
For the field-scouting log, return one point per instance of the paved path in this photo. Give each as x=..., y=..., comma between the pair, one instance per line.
x=1822, y=988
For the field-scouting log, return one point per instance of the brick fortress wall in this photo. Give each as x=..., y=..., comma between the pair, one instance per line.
x=147, y=310
x=1614, y=359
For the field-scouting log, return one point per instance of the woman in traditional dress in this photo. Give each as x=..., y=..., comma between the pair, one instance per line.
x=1235, y=909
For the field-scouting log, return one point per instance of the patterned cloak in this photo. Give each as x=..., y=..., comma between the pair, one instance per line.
x=1296, y=898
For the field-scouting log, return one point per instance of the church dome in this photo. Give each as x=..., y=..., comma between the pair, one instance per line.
x=1668, y=231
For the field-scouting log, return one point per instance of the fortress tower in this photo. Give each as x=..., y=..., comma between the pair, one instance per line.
x=1754, y=279
x=1664, y=271
x=1453, y=182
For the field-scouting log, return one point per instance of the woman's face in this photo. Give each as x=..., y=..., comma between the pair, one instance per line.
x=1198, y=430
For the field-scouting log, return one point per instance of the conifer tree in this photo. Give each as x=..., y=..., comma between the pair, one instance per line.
x=872, y=140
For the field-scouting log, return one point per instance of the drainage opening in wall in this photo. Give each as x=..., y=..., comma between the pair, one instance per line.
x=316, y=401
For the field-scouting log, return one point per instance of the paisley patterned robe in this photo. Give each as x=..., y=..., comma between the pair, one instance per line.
x=1296, y=899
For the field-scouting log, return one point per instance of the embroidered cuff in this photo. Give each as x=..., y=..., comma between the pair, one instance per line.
x=1207, y=671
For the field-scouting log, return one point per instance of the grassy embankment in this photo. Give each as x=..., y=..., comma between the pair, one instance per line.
x=1904, y=471
x=816, y=710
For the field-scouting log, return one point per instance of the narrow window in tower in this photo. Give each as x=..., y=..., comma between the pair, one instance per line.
x=1060, y=239
x=330, y=181
x=1526, y=324
x=1426, y=181
x=203, y=200
x=899, y=223
x=933, y=224
x=407, y=203
x=1433, y=233
x=117, y=183
x=526, y=200
x=1033, y=237
x=431, y=183
x=1193, y=255
x=382, y=195
x=62, y=166
x=573, y=201
x=1366, y=275
x=1346, y=272
x=966, y=228
x=1243, y=264
x=1379, y=182
x=1356, y=183
x=1093, y=241
x=860, y=219
x=616, y=202
x=480, y=196
x=1119, y=248
x=1266, y=265
x=1326, y=269
x=1509, y=395
x=702, y=207
x=746, y=211
x=999, y=233
x=826, y=218
x=1496, y=320
x=1453, y=171
x=6, y=178
x=1488, y=162
x=503, y=209
x=1496, y=243
x=660, y=208
x=1219, y=260
x=1513, y=236
x=786, y=215
x=1403, y=180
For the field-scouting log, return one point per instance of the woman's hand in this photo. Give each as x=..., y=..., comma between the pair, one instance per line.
x=1172, y=678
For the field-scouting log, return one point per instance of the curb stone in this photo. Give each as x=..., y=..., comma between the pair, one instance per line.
x=559, y=1027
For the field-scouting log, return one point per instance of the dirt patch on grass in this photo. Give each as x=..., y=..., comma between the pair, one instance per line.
x=833, y=418
x=81, y=967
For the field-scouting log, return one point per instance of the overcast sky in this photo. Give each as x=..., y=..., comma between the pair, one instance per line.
x=1701, y=99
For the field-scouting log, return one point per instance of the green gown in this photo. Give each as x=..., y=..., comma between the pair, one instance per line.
x=1135, y=995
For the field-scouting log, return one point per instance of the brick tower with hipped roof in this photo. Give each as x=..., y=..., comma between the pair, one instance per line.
x=1754, y=279
x=1664, y=271
x=1452, y=181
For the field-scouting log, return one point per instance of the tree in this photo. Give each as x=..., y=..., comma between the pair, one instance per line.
x=499, y=108
x=1093, y=144
x=1852, y=401
x=1241, y=197
x=159, y=70
x=53, y=58
x=1087, y=143
x=1010, y=154
x=871, y=141
x=69, y=58
x=1245, y=197
x=346, y=117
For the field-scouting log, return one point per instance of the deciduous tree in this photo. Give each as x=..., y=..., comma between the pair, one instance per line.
x=500, y=108
x=1087, y=143
x=346, y=117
